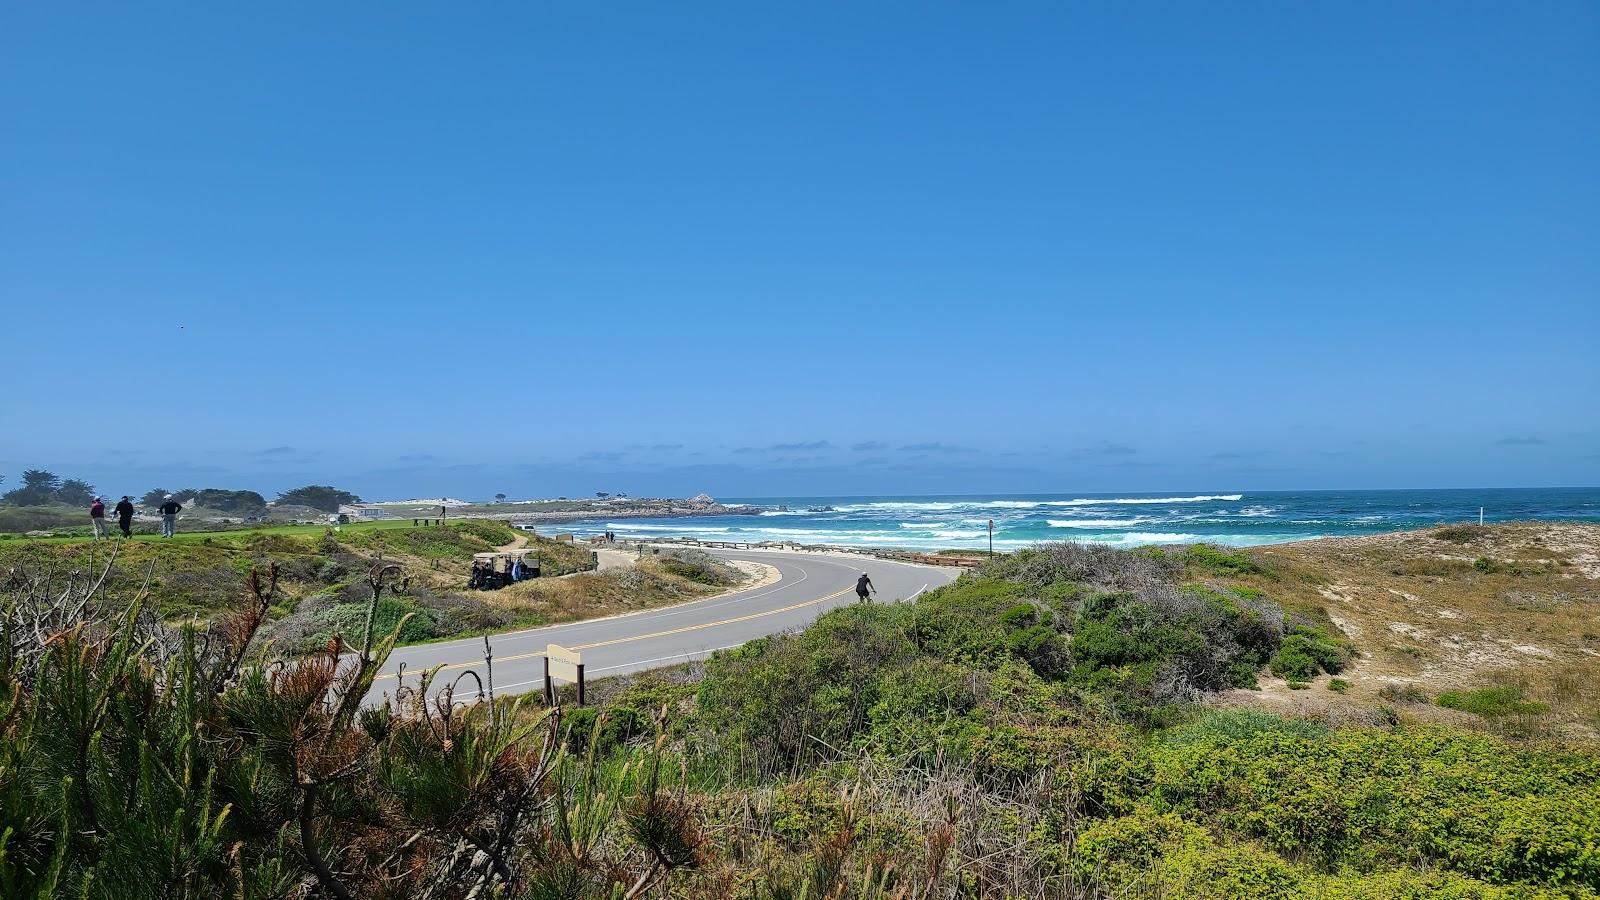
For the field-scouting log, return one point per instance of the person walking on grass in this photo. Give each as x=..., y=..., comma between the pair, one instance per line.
x=97, y=515
x=125, y=515
x=169, y=516
x=864, y=587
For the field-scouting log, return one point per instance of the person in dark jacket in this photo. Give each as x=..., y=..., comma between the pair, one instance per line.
x=169, y=516
x=125, y=516
x=864, y=587
x=97, y=515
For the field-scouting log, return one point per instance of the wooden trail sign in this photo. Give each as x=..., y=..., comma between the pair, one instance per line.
x=567, y=665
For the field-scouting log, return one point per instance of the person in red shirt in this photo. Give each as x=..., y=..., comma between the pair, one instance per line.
x=97, y=515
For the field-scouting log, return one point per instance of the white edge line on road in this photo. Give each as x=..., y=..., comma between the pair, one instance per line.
x=687, y=656
x=731, y=597
x=712, y=602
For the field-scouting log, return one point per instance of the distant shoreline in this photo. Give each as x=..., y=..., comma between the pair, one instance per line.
x=556, y=512
x=1236, y=519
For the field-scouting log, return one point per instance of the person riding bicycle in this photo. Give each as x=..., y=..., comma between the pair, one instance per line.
x=864, y=586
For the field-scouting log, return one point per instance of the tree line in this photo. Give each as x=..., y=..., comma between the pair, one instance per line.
x=41, y=487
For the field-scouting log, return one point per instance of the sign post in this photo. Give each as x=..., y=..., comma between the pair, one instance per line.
x=991, y=539
x=567, y=665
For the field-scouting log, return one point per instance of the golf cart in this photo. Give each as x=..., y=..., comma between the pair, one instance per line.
x=492, y=571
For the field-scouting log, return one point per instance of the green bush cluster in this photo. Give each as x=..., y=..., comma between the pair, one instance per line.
x=1162, y=645
x=794, y=699
x=1515, y=567
x=1458, y=534
x=697, y=566
x=1492, y=702
x=606, y=731
x=1106, y=625
x=1218, y=561
x=1155, y=854
x=1308, y=651
x=1367, y=799
x=1094, y=565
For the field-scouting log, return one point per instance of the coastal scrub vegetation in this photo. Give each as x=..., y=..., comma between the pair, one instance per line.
x=140, y=760
x=1040, y=728
x=1454, y=609
x=323, y=588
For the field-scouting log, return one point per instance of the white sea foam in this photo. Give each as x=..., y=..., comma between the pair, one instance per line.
x=948, y=505
x=1139, y=501
x=820, y=535
x=1008, y=504
x=685, y=528
x=1142, y=538
x=897, y=505
x=938, y=505
x=1134, y=538
x=1099, y=523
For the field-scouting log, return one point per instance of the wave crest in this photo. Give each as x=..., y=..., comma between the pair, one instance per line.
x=1139, y=501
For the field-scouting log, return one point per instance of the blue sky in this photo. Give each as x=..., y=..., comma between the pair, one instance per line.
x=425, y=249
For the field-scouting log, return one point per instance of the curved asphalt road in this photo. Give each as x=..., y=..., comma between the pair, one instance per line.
x=810, y=584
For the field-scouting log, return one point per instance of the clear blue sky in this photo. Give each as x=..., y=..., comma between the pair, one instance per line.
x=539, y=248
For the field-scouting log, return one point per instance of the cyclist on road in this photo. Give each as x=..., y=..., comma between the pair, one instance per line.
x=864, y=587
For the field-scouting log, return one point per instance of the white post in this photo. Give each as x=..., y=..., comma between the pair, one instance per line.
x=1480, y=517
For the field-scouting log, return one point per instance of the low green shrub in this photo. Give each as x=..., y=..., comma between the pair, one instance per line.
x=1402, y=693
x=1154, y=854
x=1307, y=652
x=1458, y=534
x=1239, y=724
x=1371, y=798
x=698, y=566
x=1160, y=645
x=795, y=698
x=1095, y=565
x=608, y=731
x=1165, y=855
x=1492, y=702
x=1218, y=561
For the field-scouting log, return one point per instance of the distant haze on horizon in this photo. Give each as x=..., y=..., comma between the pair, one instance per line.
x=837, y=249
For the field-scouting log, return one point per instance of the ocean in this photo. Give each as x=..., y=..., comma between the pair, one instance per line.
x=1239, y=519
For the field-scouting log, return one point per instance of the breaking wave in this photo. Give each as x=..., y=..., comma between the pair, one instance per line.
x=1139, y=501
x=685, y=528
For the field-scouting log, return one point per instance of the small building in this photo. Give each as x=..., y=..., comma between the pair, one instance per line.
x=359, y=511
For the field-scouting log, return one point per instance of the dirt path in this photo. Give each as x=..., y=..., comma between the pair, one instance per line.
x=614, y=559
x=518, y=543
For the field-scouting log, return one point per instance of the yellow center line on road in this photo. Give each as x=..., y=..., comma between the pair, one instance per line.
x=644, y=637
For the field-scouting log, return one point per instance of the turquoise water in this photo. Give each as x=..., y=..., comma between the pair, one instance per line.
x=1235, y=518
